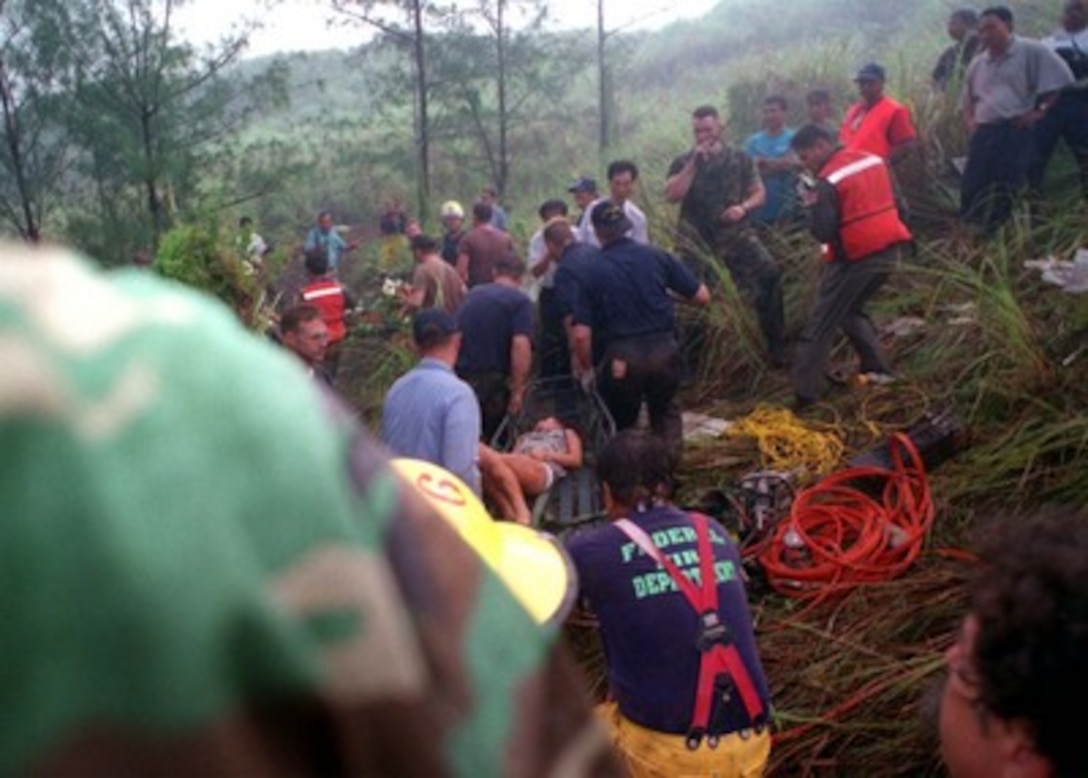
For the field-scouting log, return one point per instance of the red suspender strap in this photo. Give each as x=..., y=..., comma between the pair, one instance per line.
x=704, y=601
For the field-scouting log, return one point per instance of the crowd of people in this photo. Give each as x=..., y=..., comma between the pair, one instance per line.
x=366, y=638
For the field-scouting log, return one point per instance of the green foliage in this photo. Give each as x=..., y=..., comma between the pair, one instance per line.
x=200, y=256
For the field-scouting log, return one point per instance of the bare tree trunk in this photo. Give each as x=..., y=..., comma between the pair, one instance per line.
x=423, y=130
x=504, y=160
x=154, y=204
x=30, y=229
x=604, y=131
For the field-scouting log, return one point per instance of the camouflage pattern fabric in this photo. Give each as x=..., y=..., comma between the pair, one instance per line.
x=721, y=181
x=207, y=569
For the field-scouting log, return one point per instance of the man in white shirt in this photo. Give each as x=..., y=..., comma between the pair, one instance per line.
x=622, y=176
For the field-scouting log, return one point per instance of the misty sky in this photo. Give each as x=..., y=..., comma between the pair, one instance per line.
x=300, y=25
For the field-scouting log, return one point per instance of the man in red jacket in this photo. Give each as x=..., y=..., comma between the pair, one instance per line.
x=334, y=301
x=853, y=212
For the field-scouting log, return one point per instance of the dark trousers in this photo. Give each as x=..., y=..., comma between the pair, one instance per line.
x=1066, y=120
x=845, y=288
x=998, y=158
x=493, y=393
x=644, y=368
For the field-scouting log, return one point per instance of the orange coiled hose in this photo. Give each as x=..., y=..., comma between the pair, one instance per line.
x=838, y=536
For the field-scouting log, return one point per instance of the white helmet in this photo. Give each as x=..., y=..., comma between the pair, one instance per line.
x=452, y=208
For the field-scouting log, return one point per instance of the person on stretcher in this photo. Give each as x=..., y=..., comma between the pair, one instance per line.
x=540, y=457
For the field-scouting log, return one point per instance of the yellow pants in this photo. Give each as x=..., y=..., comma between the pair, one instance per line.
x=650, y=754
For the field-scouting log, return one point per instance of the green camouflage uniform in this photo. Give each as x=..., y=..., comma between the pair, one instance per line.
x=704, y=240
x=208, y=569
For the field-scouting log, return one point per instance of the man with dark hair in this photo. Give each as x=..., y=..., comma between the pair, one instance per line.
x=481, y=247
x=435, y=283
x=1006, y=91
x=323, y=240
x=304, y=332
x=497, y=354
x=777, y=165
x=1018, y=662
x=668, y=590
x=719, y=190
x=554, y=354
x=628, y=299
x=429, y=413
x=820, y=111
x=963, y=30
x=853, y=212
x=622, y=177
x=490, y=195
x=1067, y=119
x=876, y=123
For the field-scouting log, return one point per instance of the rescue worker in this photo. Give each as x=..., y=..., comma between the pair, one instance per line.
x=628, y=297
x=853, y=212
x=334, y=300
x=688, y=695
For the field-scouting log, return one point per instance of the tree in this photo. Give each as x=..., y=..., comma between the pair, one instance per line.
x=149, y=106
x=402, y=23
x=35, y=154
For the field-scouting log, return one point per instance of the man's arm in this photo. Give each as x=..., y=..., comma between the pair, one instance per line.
x=754, y=199
x=680, y=178
x=582, y=337
x=521, y=361
x=462, y=266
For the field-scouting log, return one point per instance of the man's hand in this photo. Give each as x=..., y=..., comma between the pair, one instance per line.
x=734, y=213
x=517, y=402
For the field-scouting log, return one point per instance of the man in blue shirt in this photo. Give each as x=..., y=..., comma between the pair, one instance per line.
x=628, y=300
x=429, y=412
x=777, y=164
x=497, y=322
x=324, y=238
x=650, y=627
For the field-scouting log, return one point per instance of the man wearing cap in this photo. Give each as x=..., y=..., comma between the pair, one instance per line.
x=1006, y=91
x=429, y=413
x=496, y=320
x=481, y=247
x=628, y=299
x=230, y=592
x=963, y=30
x=672, y=647
x=453, y=220
x=853, y=212
x=585, y=193
x=876, y=123
x=435, y=284
x=622, y=178
x=719, y=191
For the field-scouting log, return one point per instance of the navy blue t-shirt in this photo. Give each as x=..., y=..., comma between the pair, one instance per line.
x=490, y=316
x=647, y=625
x=627, y=288
x=572, y=274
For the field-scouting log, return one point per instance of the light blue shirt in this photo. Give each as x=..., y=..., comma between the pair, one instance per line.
x=433, y=415
x=779, y=185
x=331, y=241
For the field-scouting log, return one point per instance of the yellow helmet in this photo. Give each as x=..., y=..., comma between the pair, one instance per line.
x=533, y=565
